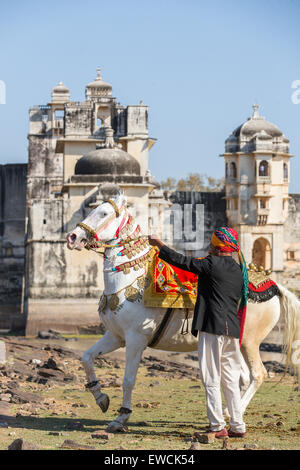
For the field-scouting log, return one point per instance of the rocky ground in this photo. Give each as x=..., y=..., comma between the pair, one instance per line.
x=43, y=403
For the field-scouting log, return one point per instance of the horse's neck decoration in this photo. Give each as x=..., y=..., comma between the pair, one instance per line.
x=125, y=254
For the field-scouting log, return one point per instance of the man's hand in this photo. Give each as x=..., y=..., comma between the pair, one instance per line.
x=155, y=241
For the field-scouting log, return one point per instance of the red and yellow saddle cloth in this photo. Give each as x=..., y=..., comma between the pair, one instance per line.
x=168, y=286
x=171, y=287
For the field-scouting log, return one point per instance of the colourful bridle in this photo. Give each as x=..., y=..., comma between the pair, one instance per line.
x=93, y=232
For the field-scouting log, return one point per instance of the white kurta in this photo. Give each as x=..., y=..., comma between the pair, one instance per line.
x=220, y=364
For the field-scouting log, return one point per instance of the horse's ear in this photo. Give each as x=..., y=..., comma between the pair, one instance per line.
x=122, y=198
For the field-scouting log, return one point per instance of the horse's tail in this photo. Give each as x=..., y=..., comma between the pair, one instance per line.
x=290, y=308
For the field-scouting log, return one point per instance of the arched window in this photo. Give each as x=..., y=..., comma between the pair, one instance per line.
x=226, y=170
x=285, y=172
x=263, y=168
x=232, y=170
x=262, y=253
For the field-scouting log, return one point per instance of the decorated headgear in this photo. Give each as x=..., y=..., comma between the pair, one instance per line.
x=226, y=240
x=222, y=239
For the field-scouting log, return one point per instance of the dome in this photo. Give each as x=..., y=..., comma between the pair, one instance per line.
x=107, y=161
x=257, y=134
x=256, y=124
x=60, y=93
x=60, y=88
x=98, y=86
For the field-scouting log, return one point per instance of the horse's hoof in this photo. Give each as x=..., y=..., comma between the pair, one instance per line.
x=115, y=426
x=104, y=403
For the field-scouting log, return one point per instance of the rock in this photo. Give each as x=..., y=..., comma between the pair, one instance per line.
x=21, y=444
x=266, y=415
x=280, y=423
x=51, y=364
x=101, y=434
x=250, y=446
x=225, y=445
x=18, y=396
x=144, y=404
x=115, y=383
x=155, y=383
x=55, y=374
x=69, y=444
x=50, y=334
x=35, y=362
x=195, y=446
x=2, y=353
x=205, y=438
x=55, y=433
x=5, y=397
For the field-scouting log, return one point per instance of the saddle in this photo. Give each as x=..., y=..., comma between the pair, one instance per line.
x=171, y=287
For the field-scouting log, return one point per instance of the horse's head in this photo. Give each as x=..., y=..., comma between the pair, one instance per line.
x=101, y=224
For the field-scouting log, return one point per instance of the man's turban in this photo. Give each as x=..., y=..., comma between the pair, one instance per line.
x=225, y=239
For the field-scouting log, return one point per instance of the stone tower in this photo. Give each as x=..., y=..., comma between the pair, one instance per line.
x=257, y=172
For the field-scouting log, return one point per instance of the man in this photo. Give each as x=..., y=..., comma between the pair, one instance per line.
x=222, y=284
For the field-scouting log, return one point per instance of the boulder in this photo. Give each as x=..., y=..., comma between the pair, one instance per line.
x=21, y=444
x=101, y=434
x=195, y=446
x=19, y=396
x=205, y=438
x=69, y=444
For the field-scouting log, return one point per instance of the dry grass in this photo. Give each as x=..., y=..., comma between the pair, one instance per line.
x=165, y=413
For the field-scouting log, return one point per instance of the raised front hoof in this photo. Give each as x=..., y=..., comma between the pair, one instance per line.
x=104, y=403
x=115, y=426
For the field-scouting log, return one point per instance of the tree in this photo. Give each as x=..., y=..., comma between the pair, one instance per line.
x=194, y=182
x=169, y=184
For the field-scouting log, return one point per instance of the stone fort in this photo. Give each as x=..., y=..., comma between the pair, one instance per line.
x=75, y=147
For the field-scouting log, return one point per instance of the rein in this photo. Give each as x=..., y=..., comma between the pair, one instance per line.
x=93, y=232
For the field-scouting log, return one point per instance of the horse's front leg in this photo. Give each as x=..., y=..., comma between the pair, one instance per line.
x=135, y=345
x=106, y=344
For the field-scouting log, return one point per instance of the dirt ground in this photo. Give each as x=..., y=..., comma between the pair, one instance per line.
x=44, y=402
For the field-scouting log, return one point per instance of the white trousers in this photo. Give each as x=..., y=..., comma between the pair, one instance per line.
x=220, y=364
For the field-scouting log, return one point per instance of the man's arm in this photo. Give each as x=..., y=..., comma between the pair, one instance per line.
x=187, y=263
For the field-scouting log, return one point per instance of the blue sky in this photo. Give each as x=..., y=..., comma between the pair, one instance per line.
x=199, y=66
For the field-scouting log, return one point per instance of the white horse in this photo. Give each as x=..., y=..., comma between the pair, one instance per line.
x=130, y=323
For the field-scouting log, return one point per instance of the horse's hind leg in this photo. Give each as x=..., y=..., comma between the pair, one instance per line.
x=135, y=345
x=105, y=345
x=257, y=370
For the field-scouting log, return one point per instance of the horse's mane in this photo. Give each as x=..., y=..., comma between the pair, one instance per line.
x=109, y=191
